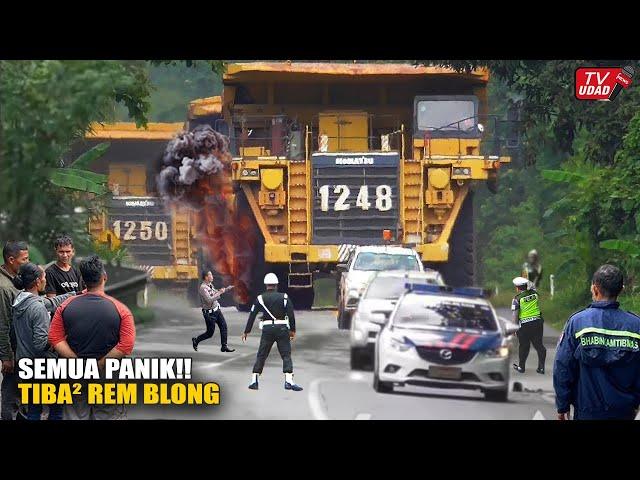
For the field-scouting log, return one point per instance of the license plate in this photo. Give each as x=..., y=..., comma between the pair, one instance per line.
x=448, y=373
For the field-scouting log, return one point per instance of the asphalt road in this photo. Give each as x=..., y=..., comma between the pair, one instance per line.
x=321, y=366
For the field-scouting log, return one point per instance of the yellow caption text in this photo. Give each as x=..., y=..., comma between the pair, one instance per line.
x=121, y=393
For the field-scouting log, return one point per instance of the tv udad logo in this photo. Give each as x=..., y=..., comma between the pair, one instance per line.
x=601, y=83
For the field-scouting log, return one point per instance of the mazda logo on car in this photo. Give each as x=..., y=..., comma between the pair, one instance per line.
x=446, y=354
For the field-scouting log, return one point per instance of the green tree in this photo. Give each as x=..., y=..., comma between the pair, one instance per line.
x=46, y=106
x=174, y=84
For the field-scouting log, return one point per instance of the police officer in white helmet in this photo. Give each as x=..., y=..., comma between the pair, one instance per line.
x=278, y=326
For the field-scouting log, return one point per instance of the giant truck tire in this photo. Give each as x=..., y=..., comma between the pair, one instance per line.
x=460, y=270
x=302, y=297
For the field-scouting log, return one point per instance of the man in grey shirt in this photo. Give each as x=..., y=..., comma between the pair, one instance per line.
x=212, y=313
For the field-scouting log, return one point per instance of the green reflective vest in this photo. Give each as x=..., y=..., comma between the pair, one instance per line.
x=528, y=302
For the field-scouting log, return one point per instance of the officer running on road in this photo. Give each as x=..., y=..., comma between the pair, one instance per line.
x=597, y=366
x=526, y=312
x=212, y=313
x=278, y=325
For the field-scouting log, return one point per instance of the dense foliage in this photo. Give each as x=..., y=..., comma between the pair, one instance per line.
x=572, y=192
x=46, y=105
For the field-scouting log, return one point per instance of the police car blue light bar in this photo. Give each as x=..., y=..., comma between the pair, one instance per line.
x=444, y=290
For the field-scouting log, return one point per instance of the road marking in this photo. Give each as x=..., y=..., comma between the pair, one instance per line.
x=356, y=376
x=538, y=416
x=363, y=416
x=217, y=364
x=316, y=400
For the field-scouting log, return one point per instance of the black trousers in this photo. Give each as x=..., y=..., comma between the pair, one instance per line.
x=531, y=333
x=210, y=320
x=9, y=395
x=271, y=334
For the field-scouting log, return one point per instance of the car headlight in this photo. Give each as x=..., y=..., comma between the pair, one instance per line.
x=400, y=344
x=501, y=352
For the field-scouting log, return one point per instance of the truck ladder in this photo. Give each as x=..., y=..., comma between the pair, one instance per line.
x=298, y=204
x=412, y=199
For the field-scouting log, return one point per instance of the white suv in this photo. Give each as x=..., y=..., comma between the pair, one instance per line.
x=362, y=266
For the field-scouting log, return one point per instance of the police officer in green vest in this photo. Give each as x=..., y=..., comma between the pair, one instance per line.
x=526, y=312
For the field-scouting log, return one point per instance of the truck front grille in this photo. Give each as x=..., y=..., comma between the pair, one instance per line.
x=339, y=180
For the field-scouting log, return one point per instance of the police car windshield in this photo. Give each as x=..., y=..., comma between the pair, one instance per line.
x=377, y=262
x=424, y=311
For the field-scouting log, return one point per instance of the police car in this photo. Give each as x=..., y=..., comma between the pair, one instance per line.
x=444, y=337
x=377, y=302
x=363, y=264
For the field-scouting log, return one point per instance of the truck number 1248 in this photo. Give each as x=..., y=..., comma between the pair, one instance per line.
x=127, y=230
x=383, y=200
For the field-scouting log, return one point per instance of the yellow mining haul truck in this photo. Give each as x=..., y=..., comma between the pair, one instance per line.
x=330, y=155
x=136, y=217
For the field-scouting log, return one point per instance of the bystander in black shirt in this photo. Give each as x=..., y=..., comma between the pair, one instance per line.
x=61, y=282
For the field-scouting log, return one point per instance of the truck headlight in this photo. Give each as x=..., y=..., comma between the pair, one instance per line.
x=461, y=171
x=400, y=344
x=501, y=352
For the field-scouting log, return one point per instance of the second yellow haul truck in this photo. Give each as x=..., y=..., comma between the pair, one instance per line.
x=155, y=237
x=331, y=155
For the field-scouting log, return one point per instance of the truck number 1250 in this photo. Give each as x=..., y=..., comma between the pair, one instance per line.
x=383, y=198
x=146, y=229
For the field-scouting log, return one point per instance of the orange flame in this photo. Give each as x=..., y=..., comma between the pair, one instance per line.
x=226, y=234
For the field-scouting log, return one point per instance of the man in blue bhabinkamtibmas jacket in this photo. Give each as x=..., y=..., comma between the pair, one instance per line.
x=597, y=365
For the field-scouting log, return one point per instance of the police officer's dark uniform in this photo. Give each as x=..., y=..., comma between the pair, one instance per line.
x=526, y=312
x=278, y=320
x=597, y=365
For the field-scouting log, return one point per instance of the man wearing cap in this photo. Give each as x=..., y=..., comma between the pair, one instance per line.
x=526, y=312
x=278, y=326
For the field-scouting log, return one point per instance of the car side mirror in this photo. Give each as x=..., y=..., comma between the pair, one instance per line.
x=378, y=318
x=342, y=267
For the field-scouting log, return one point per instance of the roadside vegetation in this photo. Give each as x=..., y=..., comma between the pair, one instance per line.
x=572, y=191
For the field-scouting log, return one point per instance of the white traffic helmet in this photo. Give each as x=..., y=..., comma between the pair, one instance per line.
x=520, y=282
x=271, y=279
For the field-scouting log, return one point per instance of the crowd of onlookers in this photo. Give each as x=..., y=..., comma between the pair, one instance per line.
x=60, y=311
